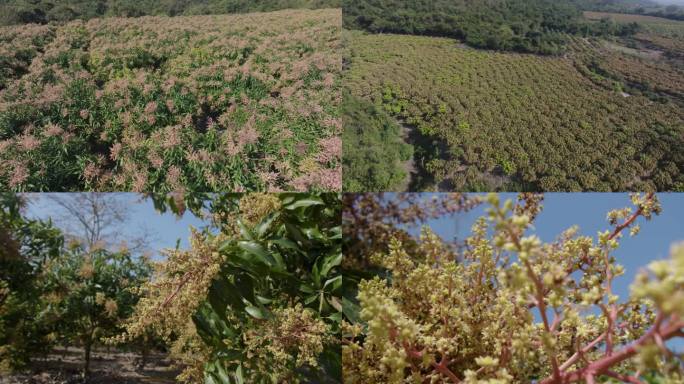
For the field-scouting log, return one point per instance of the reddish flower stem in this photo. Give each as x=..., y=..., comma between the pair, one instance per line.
x=603, y=365
x=624, y=378
x=444, y=370
x=631, y=219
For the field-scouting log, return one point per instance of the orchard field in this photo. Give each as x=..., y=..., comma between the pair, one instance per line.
x=201, y=103
x=582, y=121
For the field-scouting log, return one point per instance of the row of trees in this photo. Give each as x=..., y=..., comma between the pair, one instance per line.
x=640, y=7
x=44, y=11
x=515, y=122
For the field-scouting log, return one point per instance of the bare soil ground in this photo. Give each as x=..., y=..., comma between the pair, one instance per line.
x=64, y=366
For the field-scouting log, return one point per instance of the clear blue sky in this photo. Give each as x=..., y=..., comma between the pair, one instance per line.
x=588, y=211
x=166, y=229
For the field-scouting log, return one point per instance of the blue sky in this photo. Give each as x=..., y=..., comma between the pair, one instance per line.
x=166, y=229
x=588, y=211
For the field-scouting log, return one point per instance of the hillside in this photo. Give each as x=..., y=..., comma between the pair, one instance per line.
x=532, y=26
x=667, y=9
x=200, y=103
x=514, y=95
x=535, y=26
x=44, y=11
x=486, y=120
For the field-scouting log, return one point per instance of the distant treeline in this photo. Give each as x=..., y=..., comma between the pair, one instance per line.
x=45, y=11
x=535, y=26
x=639, y=7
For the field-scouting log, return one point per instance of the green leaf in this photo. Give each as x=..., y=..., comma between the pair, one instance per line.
x=336, y=317
x=286, y=243
x=313, y=233
x=278, y=260
x=306, y=202
x=211, y=327
x=256, y=312
x=244, y=231
x=263, y=300
x=335, y=283
x=223, y=293
x=335, y=303
x=225, y=246
x=287, y=199
x=257, y=250
x=306, y=289
x=330, y=262
x=266, y=225
x=295, y=232
x=351, y=310
x=336, y=233
x=311, y=298
x=239, y=376
x=216, y=373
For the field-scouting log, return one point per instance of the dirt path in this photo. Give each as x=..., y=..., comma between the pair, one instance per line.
x=64, y=367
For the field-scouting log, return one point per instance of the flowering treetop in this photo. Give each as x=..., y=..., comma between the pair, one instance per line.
x=511, y=309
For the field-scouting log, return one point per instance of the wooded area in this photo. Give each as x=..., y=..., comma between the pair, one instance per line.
x=534, y=26
x=44, y=11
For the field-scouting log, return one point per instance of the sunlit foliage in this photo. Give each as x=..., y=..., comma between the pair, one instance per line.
x=46, y=11
x=510, y=309
x=55, y=294
x=90, y=292
x=256, y=299
x=501, y=121
x=538, y=26
x=245, y=102
x=25, y=246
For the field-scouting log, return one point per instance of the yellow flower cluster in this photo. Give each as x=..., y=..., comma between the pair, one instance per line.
x=254, y=207
x=293, y=337
x=511, y=308
x=172, y=297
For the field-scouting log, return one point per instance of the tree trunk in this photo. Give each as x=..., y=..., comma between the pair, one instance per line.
x=145, y=352
x=86, y=369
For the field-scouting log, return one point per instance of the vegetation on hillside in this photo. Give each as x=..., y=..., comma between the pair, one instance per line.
x=45, y=11
x=639, y=7
x=507, y=121
x=156, y=104
x=374, y=149
x=537, y=26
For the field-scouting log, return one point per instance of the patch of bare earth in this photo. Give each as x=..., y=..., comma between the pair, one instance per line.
x=64, y=366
